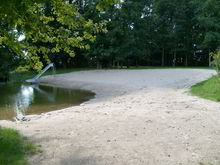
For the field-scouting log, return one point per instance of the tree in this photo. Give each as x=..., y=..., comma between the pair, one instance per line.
x=208, y=16
x=164, y=16
x=8, y=60
x=63, y=30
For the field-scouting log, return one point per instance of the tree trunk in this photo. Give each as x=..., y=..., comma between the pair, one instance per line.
x=210, y=62
x=99, y=65
x=113, y=63
x=128, y=64
x=174, y=58
x=186, y=60
x=118, y=64
x=121, y=66
x=110, y=64
x=162, y=59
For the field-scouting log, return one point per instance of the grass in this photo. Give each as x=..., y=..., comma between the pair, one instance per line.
x=171, y=67
x=16, y=77
x=14, y=148
x=209, y=89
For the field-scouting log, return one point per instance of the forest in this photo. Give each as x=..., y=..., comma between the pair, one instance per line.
x=107, y=33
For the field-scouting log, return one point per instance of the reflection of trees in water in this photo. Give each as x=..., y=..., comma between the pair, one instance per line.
x=19, y=100
x=50, y=96
x=23, y=99
x=27, y=95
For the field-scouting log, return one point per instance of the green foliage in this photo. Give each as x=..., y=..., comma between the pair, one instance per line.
x=216, y=57
x=130, y=28
x=209, y=89
x=157, y=32
x=104, y=4
x=110, y=32
x=20, y=77
x=62, y=29
x=209, y=25
x=24, y=68
x=14, y=147
x=11, y=15
x=8, y=61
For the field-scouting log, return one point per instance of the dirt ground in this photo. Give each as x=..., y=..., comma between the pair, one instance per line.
x=138, y=117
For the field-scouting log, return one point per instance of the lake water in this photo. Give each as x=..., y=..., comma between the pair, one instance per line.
x=17, y=99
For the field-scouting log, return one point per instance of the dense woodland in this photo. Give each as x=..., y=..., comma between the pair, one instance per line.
x=107, y=33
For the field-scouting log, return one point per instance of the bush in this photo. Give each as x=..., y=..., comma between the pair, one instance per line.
x=217, y=61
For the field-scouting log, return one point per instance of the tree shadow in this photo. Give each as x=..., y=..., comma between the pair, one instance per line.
x=79, y=160
x=77, y=157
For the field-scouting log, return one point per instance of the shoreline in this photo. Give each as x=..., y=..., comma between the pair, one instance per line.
x=137, y=117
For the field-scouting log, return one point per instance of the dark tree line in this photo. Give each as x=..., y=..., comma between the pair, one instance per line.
x=109, y=33
x=156, y=32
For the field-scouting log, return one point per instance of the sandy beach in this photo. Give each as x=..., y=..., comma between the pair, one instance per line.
x=138, y=117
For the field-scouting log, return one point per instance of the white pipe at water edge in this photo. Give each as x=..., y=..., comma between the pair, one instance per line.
x=36, y=78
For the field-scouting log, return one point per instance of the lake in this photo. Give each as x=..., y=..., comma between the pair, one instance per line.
x=23, y=99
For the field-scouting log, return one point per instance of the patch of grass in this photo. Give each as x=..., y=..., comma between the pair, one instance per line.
x=17, y=77
x=171, y=67
x=14, y=148
x=209, y=89
x=61, y=71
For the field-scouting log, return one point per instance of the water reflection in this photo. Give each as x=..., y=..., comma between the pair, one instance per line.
x=23, y=99
x=19, y=100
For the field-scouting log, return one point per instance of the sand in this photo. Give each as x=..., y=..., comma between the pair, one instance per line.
x=138, y=117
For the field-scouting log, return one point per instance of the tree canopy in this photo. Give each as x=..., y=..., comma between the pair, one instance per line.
x=109, y=32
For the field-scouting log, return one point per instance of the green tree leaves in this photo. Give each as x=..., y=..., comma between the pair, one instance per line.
x=166, y=32
x=208, y=16
x=49, y=27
